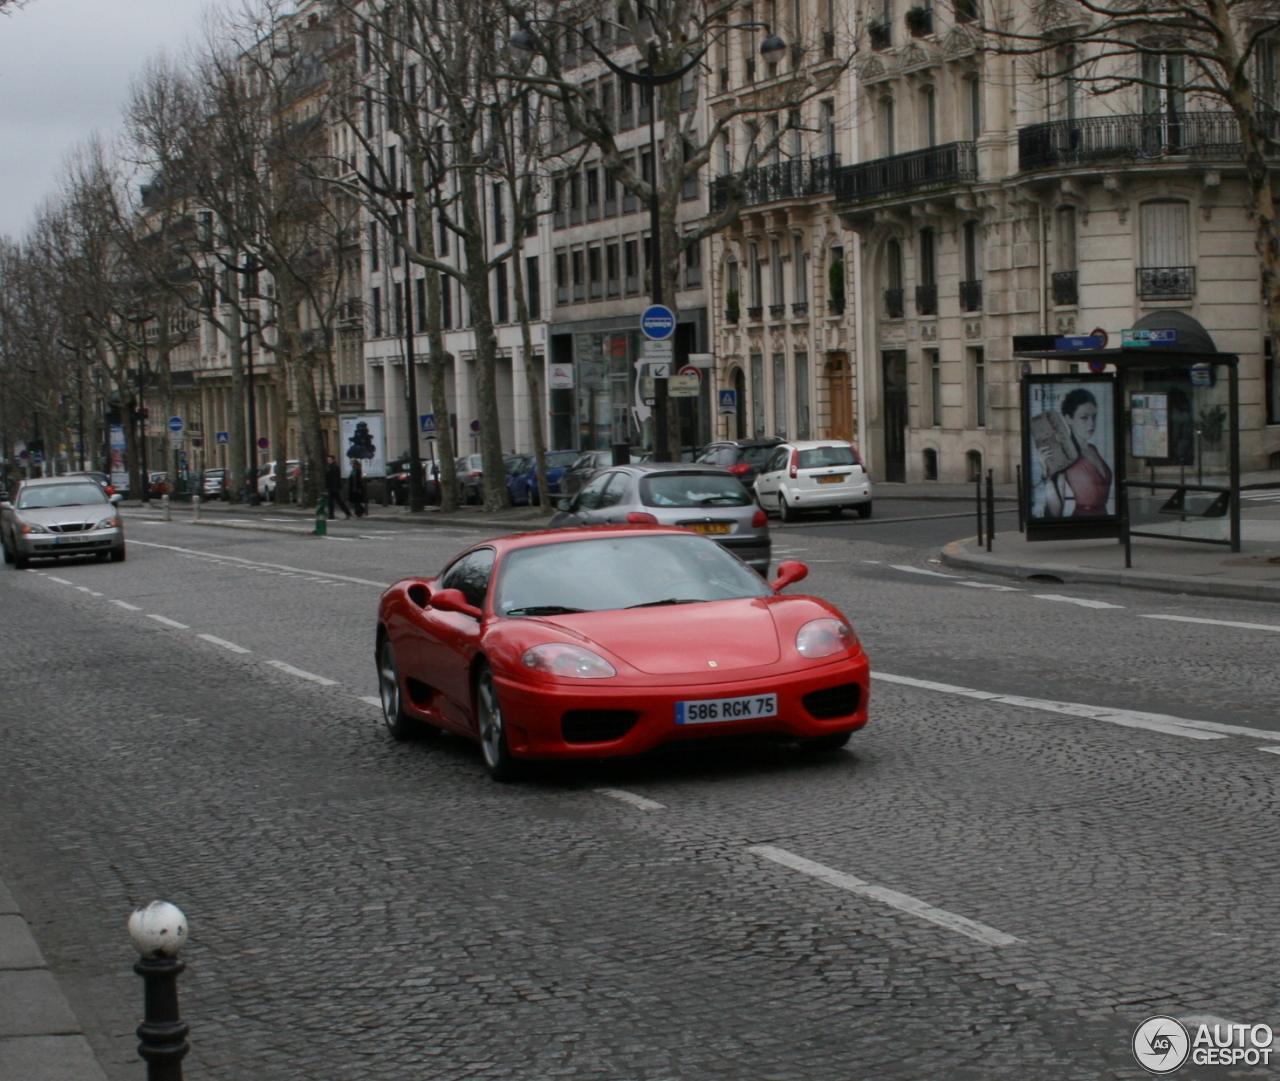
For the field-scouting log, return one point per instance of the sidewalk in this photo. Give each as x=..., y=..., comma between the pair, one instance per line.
x=1171, y=566
x=40, y=1038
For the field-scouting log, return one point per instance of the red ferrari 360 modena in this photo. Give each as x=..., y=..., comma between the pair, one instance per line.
x=609, y=641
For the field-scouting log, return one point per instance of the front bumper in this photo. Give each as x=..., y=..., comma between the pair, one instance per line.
x=42, y=545
x=534, y=712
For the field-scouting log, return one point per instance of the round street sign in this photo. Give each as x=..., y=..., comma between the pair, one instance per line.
x=1097, y=366
x=658, y=322
x=263, y=443
x=175, y=424
x=475, y=425
x=689, y=369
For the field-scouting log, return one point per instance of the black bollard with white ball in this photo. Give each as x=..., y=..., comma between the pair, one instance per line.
x=159, y=932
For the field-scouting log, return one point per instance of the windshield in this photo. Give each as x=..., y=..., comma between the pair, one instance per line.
x=693, y=490
x=561, y=459
x=820, y=456
x=620, y=571
x=60, y=495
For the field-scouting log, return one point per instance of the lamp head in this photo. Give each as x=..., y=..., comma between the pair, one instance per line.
x=772, y=49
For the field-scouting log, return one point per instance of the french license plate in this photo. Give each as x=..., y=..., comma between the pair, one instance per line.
x=834, y=478
x=708, y=527
x=66, y=540
x=712, y=710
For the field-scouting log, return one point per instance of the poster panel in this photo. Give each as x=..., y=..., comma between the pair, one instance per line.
x=1069, y=453
x=363, y=438
x=119, y=466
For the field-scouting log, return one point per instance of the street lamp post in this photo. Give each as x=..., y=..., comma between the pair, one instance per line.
x=772, y=48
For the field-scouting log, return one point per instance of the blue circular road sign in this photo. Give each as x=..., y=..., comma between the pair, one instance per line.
x=175, y=424
x=658, y=322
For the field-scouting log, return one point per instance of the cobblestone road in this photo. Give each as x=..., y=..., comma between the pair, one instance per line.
x=363, y=909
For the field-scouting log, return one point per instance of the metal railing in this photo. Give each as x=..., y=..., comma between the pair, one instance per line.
x=1166, y=282
x=937, y=166
x=1137, y=137
x=971, y=296
x=799, y=178
x=1066, y=287
x=926, y=300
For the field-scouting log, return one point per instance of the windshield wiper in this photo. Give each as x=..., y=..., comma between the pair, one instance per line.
x=544, y=610
x=668, y=600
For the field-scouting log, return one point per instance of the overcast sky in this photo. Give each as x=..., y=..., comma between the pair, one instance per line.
x=65, y=68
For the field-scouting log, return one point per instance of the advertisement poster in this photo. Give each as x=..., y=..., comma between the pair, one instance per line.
x=119, y=467
x=1071, y=447
x=363, y=440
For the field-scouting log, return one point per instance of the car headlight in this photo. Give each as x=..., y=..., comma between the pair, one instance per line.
x=824, y=638
x=563, y=659
x=34, y=527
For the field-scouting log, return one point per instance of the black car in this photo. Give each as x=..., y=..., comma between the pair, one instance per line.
x=398, y=482
x=744, y=458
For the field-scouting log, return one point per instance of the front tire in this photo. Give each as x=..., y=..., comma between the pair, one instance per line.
x=118, y=554
x=399, y=724
x=785, y=512
x=825, y=744
x=8, y=555
x=498, y=759
x=21, y=562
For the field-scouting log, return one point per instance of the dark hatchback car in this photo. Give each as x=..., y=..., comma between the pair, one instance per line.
x=744, y=458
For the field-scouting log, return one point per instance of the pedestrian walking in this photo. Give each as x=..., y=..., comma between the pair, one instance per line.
x=333, y=486
x=355, y=489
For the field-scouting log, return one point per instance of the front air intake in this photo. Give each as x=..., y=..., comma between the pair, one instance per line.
x=833, y=702
x=597, y=725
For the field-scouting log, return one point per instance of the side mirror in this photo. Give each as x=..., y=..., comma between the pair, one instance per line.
x=790, y=571
x=565, y=505
x=116, y=497
x=452, y=600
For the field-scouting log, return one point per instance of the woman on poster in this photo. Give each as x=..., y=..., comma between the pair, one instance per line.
x=1087, y=479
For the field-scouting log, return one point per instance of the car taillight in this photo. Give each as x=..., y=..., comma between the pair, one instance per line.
x=639, y=517
x=759, y=520
x=795, y=464
x=110, y=490
x=740, y=469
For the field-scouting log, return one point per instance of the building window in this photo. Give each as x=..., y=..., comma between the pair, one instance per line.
x=777, y=281
x=562, y=277
x=802, y=395
x=756, y=280
x=893, y=305
x=978, y=366
x=373, y=246
x=593, y=194
x=631, y=266
x=930, y=464
x=499, y=216
x=973, y=94
x=927, y=290
x=974, y=460
x=933, y=366
x=888, y=133
x=693, y=265
x=501, y=293
x=929, y=115
x=375, y=306
x=1065, y=283
x=446, y=301
x=780, y=394
x=397, y=307
x=533, y=286
x=610, y=195
x=1272, y=371
x=971, y=286
x=612, y=275
x=579, y=284
x=828, y=111
x=757, y=395
x=1165, y=269
x=595, y=272
x=420, y=300
x=799, y=274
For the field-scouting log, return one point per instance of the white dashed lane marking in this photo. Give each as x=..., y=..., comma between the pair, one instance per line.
x=1217, y=622
x=372, y=700
x=630, y=797
x=302, y=673
x=126, y=605
x=921, y=570
x=240, y=561
x=54, y=578
x=223, y=643
x=168, y=622
x=1083, y=602
x=903, y=902
x=991, y=585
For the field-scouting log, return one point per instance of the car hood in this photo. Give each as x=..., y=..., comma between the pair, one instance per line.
x=684, y=638
x=92, y=513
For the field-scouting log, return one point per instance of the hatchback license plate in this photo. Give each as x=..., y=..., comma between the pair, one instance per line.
x=67, y=540
x=835, y=478
x=708, y=527
x=713, y=710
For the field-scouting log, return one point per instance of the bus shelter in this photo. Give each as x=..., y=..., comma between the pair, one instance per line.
x=1144, y=443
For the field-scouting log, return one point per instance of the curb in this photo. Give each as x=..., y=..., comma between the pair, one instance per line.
x=296, y=531
x=954, y=555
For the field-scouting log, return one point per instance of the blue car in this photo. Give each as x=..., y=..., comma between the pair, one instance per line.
x=557, y=462
x=515, y=470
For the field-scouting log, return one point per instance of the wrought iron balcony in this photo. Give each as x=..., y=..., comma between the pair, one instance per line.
x=1166, y=282
x=926, y=300
x=971, y=296
x=1065, y=287
x=799, y=178
x=754, y=312
x=893, y=307
x=936, y=167
x=1140, y=137
x=777, y=311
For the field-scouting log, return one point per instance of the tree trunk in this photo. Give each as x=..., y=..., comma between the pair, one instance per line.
x=531, y=377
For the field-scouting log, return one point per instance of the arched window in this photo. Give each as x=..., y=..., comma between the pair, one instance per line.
x=930, y=464
x=974, y=460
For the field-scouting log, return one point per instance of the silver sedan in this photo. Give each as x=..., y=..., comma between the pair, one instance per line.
x=704, y=500
x=60, y=516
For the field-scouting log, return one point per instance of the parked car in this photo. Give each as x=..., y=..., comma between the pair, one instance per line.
x=514, y=469
x=158, y=484
x=588, y=464
x=598, y=643
x=267, y=478
x=741, y=457
x=51, y=517
x=216, y=484
x=398, y=482
x=712, y=502
x=558, y=463
x=813, y=475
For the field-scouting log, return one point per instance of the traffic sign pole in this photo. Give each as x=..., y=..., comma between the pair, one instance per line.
x=659, y=325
